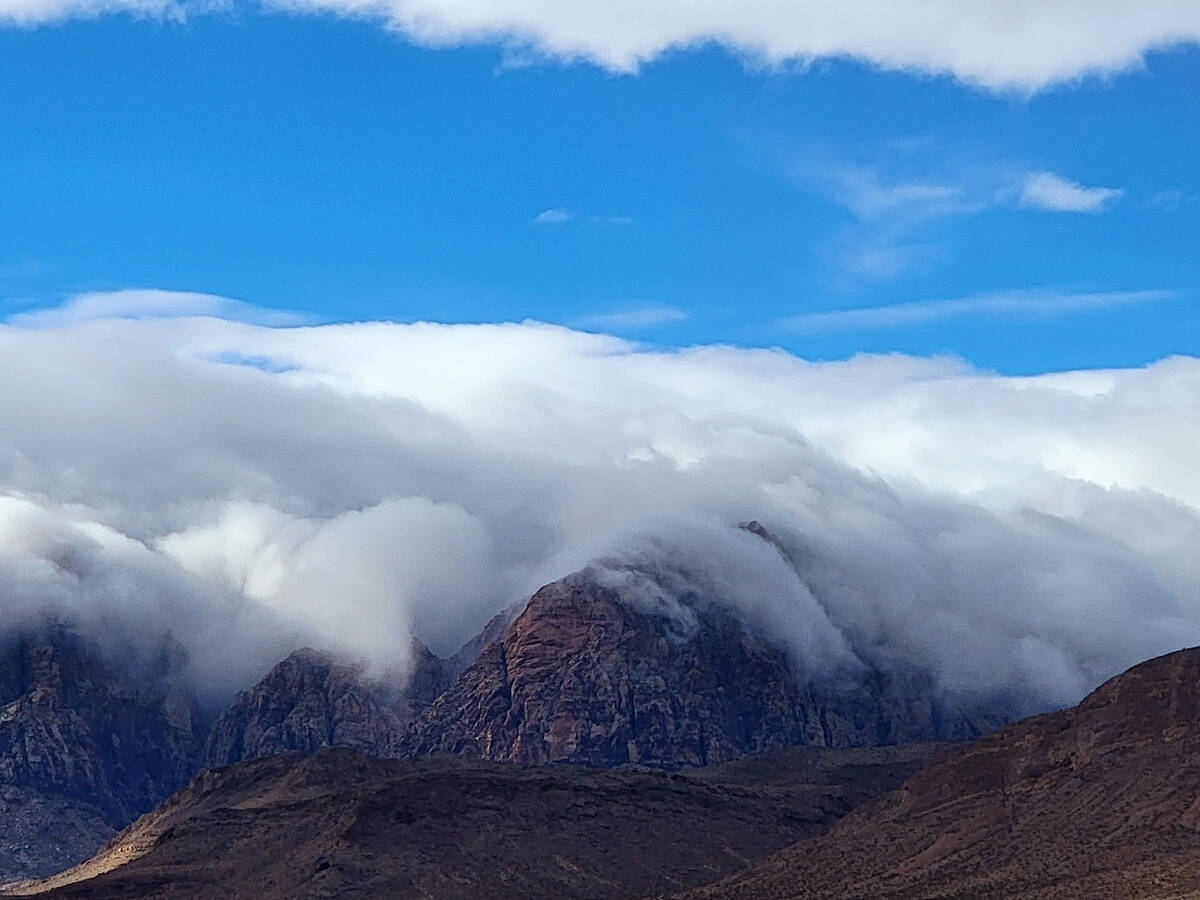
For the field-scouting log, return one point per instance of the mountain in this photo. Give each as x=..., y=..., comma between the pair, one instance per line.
x=585, y=676
x=310, y=701
x=340, y=824
x=581, y=674
x=1102, y=800
x=85, y=745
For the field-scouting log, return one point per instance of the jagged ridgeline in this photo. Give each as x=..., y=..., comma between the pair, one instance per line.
x=584, y=674
x=1094, y=801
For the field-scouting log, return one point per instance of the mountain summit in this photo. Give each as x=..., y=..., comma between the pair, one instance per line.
x=585, y=675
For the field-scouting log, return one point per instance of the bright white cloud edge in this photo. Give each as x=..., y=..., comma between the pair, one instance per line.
x=1023, y=45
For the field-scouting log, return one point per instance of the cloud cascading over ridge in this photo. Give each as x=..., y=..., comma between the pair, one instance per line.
x=1022, y=45
x=252, y=486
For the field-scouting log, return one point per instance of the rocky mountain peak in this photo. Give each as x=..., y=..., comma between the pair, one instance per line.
x=585, y=676
x=311, y=700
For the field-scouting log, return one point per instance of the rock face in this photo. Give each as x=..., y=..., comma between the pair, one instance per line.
x=310, y=701
x=87, y=746
x=84, y=747
x=492, y=631
x=582, y=676
x=1095, y=801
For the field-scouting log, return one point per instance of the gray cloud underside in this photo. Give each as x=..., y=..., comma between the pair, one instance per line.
x=998, y=44
x=251, y=487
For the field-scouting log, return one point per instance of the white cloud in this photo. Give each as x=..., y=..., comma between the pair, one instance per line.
x=634, y=317
x=998, y=44
x=556, y=216
x=561, y=215
x=896, y=202
x=1045, y=190
x=864, y=191
x=142, y=303
x=375, y=479
x=1026, y=304
x=35, y=12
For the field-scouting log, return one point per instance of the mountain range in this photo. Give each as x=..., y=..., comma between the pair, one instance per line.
x=585, y=745
x=580, y=675
x=1095, y=801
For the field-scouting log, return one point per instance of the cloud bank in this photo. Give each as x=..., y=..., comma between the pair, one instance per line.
x=251, y=487
x=1018, y=45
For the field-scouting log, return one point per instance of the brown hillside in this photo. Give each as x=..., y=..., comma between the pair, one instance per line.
x=339, y=824
x=1102, y=800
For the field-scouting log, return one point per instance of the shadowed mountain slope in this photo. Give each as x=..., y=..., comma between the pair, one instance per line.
x=311, y=701
x=85, y=746
x=346, y=825
x=1102, y=800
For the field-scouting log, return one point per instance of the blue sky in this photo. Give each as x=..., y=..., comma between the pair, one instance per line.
x=335, y=167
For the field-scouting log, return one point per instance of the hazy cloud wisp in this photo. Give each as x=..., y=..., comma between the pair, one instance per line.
x=1026, y=304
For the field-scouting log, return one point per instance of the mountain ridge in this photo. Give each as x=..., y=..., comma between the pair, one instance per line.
x=579, y=674
x=1096, y=800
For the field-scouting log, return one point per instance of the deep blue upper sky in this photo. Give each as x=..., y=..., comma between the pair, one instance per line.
x=331, y=167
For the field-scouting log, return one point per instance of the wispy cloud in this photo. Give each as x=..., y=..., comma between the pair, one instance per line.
x=869, y=195
x=562, y=215
x=899, y=197
x=557, y=215
x=891, y=214
x=1022, y=304
x=1045, y=190
x=1171, y=200
x=634, y=317
x=144, y=303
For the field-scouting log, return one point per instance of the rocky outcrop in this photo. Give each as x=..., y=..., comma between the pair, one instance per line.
x=492, y=631
x=582, y=676
x=311, y=701
x=85, y=745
